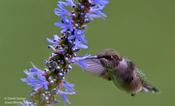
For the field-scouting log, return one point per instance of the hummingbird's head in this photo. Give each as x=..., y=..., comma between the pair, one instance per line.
x=111, y=55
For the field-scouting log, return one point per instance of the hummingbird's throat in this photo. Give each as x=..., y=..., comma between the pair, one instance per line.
x=122, y=65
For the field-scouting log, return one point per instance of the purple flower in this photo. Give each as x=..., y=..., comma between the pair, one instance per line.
x=65, y=24
x=66, y=3
x=55, y=45
x=68, y=90
x=99, y=2
x=61, y=10
x=70, y=3
x=35, y=78
x=80, y=35
x=64, y=96
x=54, y=41
x=79, y=45
x=80, y=40
x=96, y=10
x=95, y=13
x=67, y=86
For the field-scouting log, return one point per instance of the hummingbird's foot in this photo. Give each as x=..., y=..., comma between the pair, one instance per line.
x=133, y=94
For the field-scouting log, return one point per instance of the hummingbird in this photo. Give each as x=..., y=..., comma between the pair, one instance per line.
x=112, y=66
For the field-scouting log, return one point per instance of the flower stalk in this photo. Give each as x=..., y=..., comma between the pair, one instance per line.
x=50, y=82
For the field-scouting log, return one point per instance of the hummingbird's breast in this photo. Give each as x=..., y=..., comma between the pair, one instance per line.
x=127, y=82
x=125, y=77
x=133, y=85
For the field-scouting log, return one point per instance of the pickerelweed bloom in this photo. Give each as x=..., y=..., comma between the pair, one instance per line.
x=36, y=79
x=51, y=81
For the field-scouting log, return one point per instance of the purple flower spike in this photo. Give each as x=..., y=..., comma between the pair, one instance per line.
x=74, y=16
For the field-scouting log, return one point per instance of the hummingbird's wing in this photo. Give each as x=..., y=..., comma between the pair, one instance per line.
x=101, y=65
x=95, y=65
x=92, y=65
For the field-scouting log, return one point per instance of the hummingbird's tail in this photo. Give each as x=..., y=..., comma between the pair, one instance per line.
x=149, y=88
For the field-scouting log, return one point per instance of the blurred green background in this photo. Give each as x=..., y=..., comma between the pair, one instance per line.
x=142, y=30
